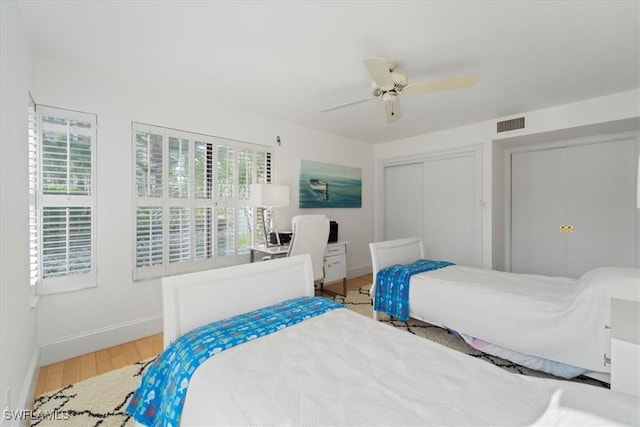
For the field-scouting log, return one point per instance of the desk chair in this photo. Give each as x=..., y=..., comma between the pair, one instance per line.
x=310, y=236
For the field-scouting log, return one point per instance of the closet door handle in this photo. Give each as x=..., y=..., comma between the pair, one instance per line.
x=566, y=228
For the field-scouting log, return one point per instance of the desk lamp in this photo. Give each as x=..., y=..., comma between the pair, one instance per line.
x=269, y=196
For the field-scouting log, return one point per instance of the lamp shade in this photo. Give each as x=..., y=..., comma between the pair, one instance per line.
x=270, y=195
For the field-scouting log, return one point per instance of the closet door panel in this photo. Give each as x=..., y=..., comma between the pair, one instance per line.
x=600, y=206
x=403, y=201
x=450, y=210
x=538, y=210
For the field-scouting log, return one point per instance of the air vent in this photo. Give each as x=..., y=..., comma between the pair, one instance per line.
x=511, y=124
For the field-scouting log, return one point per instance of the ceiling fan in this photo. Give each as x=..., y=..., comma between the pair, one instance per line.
x=388, y=84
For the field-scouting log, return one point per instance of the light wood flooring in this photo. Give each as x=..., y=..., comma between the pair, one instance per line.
x=70, y=371
x=80, y=368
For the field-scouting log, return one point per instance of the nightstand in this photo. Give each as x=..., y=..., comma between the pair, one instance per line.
x=625, y=346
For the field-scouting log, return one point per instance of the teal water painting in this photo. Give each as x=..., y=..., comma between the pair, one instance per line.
x=323, y=185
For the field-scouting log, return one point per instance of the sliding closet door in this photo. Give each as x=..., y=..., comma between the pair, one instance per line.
x=403, y=201
x=450, y=210
x=439, y=200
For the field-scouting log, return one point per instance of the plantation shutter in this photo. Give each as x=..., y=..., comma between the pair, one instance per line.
x=192, y=201
x=150, y=158
x=204, y=203
x=66, y=199
x=263, y=168
x=34, y=225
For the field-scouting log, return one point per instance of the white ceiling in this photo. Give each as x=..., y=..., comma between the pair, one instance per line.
x=291, y=59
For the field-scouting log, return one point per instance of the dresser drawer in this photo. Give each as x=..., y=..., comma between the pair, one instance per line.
x=335, y=268
x=335, y=250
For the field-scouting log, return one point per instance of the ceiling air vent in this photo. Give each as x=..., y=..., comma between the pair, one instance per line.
x=511, y=124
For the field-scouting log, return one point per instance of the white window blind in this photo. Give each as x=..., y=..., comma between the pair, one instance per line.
x=149, y=239
x=34, y=252
x=192, y=202
x=62, y=182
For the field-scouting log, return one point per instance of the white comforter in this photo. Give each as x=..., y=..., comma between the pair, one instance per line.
x=555, y=318
x=342, y=368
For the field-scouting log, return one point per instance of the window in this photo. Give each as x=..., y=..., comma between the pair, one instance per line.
x=62, y=199
x=192, y=205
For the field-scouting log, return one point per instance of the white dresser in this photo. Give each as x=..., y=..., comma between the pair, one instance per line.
x=625, y=346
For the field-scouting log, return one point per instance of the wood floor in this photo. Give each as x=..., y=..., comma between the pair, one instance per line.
x=61, y=374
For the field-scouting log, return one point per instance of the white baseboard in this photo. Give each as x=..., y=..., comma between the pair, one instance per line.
x=25, y=400
x=358, y=271
x=87, y=342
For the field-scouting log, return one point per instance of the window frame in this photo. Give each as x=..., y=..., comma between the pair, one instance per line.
x=194, y=202
x=69, y=281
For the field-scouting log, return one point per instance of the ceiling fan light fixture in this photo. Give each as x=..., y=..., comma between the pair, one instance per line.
x=400, y=81
x=390, y=96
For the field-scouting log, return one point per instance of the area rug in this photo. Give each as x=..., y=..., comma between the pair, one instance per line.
x=97, y=401
x=101, y=400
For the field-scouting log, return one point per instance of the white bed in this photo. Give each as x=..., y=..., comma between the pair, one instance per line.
x=547, y=323
x=341, y=368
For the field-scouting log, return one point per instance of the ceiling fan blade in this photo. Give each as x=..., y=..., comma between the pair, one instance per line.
x=359, y=101
x=440, y=85
x=393, y=111
x=379, y=70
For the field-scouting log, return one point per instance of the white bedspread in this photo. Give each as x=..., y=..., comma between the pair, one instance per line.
x=555, y=318
x=342, y=368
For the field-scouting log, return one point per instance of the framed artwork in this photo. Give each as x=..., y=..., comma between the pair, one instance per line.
x=323, y=185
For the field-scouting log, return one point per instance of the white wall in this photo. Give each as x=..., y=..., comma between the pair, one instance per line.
x=18, y=349
x=303, y=143
x=607, y=114
x=118, y=309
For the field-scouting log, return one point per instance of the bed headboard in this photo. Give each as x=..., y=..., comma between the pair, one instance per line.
x=390, y=252
x=195, y=299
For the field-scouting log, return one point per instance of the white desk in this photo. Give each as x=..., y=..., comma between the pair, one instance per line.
x=273, y=251
x=335, y=261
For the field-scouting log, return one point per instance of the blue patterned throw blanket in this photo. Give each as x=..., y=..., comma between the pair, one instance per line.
x=159, y=399
x=392, y=286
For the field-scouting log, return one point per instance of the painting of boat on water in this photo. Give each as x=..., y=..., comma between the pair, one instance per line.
x=323, y=185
